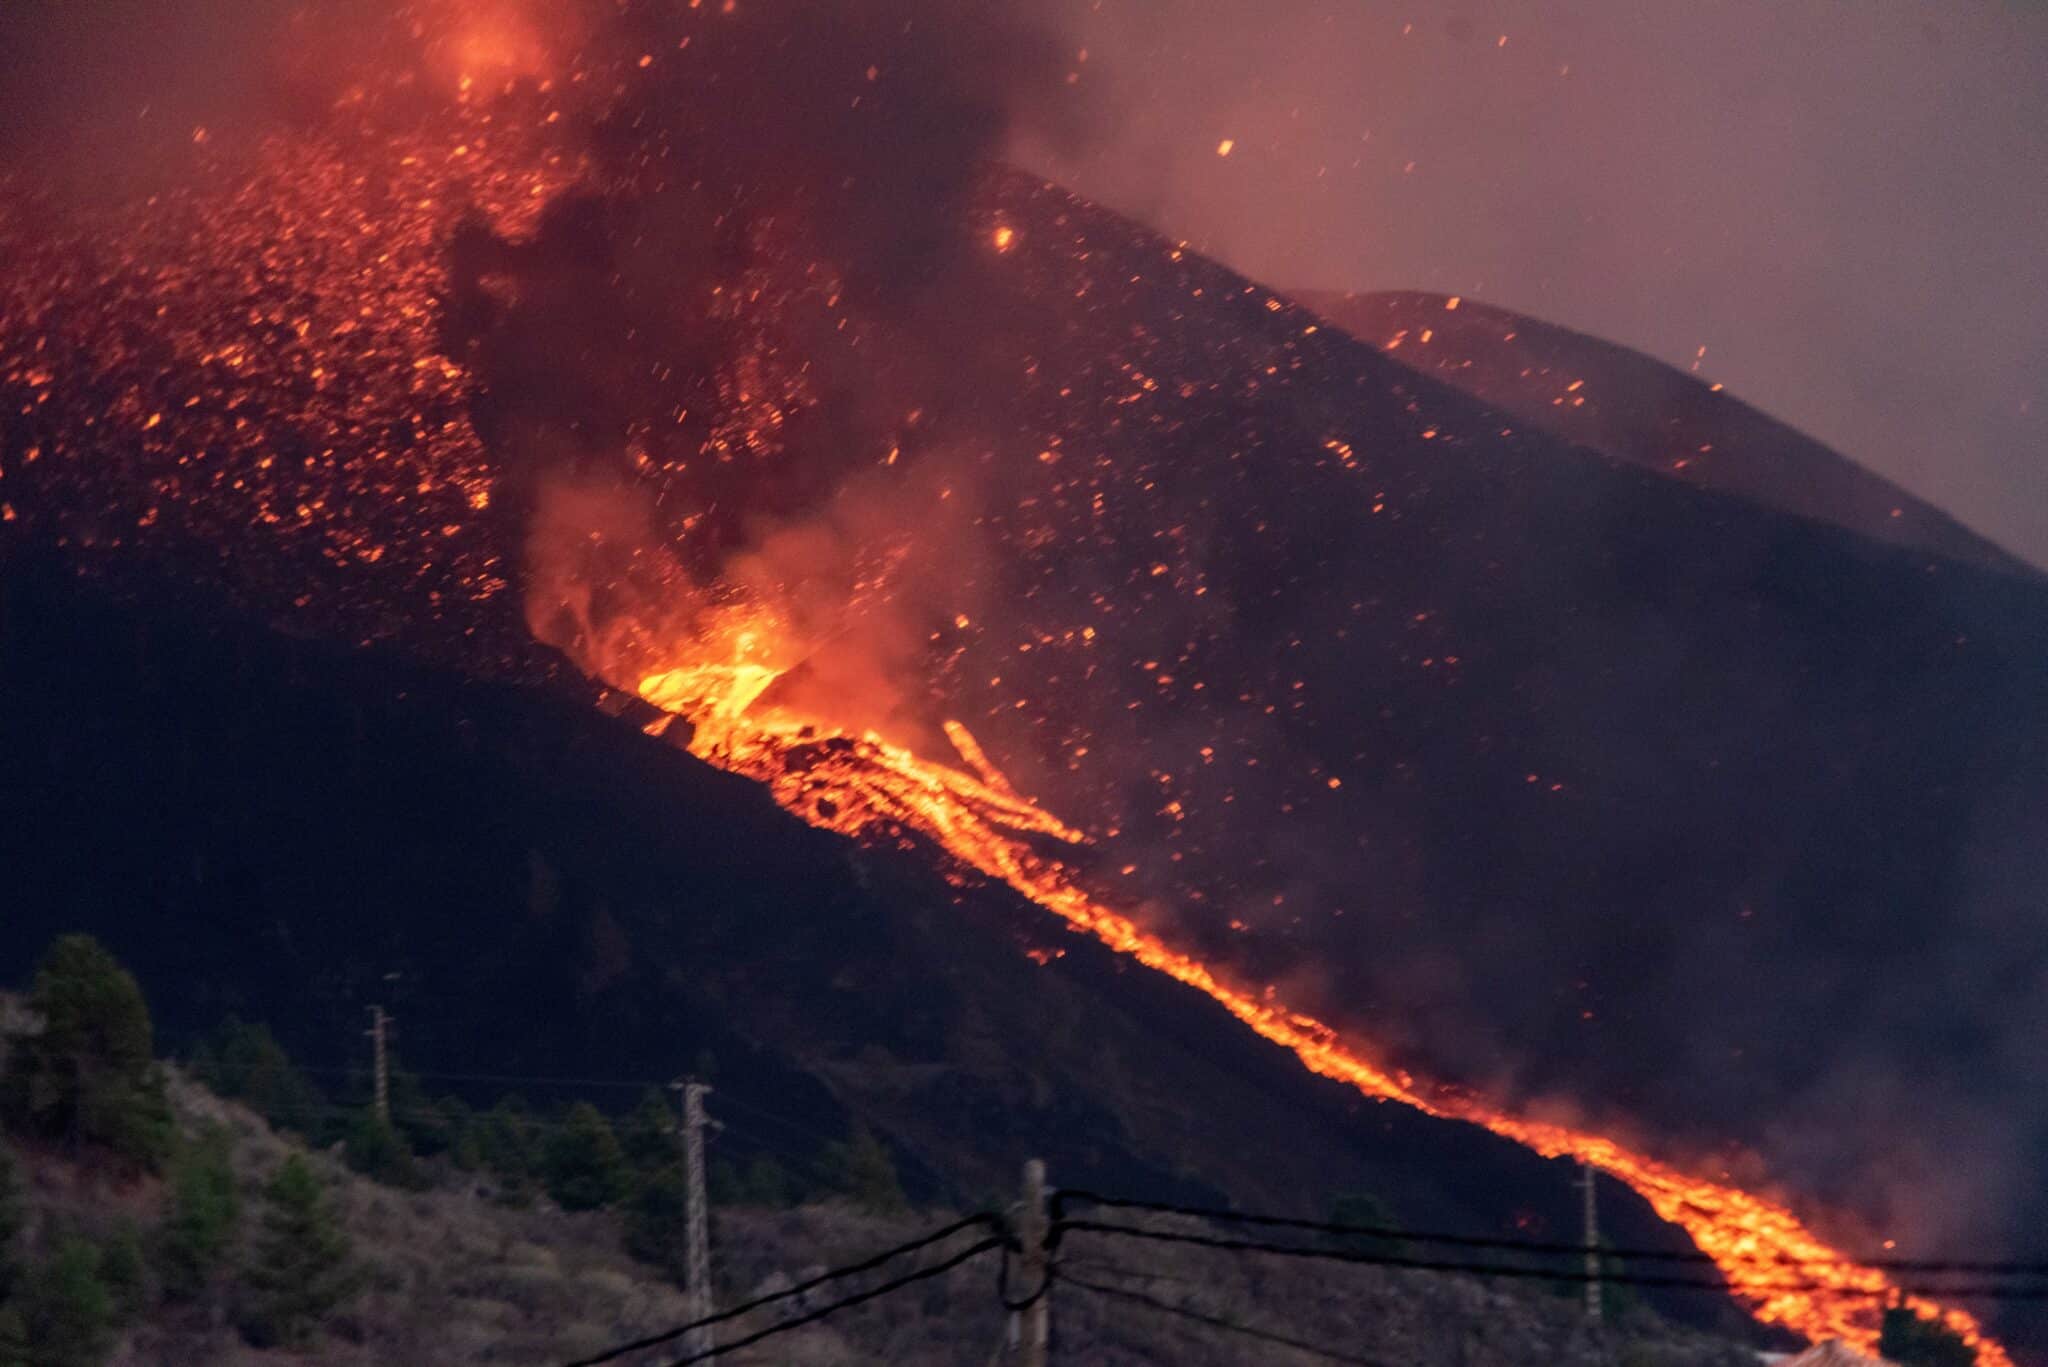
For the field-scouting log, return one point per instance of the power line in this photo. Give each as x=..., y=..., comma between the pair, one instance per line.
x=812, y=1317
x=1392, y=1233
x=809, y=1284
x=542, y=1080
x=1986, y=1292
x=1229, y=1326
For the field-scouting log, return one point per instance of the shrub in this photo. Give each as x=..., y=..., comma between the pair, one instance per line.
x=1912, y=1341
x=1366, y=1210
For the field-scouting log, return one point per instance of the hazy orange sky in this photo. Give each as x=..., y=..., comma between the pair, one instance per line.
x=1846, y=204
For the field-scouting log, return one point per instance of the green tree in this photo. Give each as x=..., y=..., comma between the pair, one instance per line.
x=508, y=1147
x=648, y=1134
x=1911, y=1341
x=582, y=1164
x=246, y=1063
x=427, y=1126
x=379, y=1152
x=301, y=1268
x=862, y=1169
x=12, y=1217
x=124, y=1271
x=89, y=1076
x=657, y=1219
x=64, y=1312
x=204, y=1210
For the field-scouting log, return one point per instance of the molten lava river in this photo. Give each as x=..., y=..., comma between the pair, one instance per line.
x=1112, y=595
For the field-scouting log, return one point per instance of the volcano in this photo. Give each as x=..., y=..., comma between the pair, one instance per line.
x=1618, y=815
x=1633, y=408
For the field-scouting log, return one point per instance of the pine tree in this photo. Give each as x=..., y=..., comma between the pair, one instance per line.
x=124, y=1271
x=508, y=1149
x=12, y=1217
x=63, y=1311
x=583, y=1165
x=648, y=1135
x=378, y=1151
x=246, y=1063
x=90, y=1075
x=301, y=1269
x=205, y=1207
x=657, y=1220
x=862, y=1169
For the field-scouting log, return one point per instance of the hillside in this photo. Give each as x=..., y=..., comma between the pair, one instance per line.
x=1635, y=409
x=447, y=1271
x=648, y=915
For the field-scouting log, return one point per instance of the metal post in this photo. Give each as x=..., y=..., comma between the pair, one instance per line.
x=379, y=1023
x=1031, y=1232
x=697, y=1278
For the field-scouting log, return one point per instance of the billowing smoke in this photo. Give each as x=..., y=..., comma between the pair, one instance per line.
x=764, y=302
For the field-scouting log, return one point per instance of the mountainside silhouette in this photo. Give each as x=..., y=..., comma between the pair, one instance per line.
x=1634, y=408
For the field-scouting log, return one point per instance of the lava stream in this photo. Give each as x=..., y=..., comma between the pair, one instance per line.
x=863, y=785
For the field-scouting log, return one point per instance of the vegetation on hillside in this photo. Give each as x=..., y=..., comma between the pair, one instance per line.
x=145, y=1217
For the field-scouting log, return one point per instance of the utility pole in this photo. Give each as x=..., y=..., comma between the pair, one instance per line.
x=697, y=1267
x=1587, y=1174
x=380, y=1025
x=1031, y=1232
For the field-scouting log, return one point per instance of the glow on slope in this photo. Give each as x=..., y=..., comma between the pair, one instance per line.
x=864, y=786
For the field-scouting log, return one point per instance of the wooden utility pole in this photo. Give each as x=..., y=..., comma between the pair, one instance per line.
x=1587, y=1175
x=1031, y=1232
x=380, y=1025
x=697, y=1253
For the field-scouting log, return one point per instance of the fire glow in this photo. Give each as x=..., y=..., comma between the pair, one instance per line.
x=867, y=788
x=238, y=424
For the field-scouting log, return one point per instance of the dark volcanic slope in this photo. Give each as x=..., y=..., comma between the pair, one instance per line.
x=271, y=827
x=1640, y=787
x=1637, y=409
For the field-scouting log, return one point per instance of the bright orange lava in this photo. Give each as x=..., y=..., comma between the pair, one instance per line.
x=865, y=786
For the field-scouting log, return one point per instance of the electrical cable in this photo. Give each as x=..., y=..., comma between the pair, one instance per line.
x=1988, y=1292
x=2013, y=1269
x=809, y=1284
x=1216, y=1322
x=812, y=1317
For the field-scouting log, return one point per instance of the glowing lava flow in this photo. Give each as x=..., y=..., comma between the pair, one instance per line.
x=864, y=786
